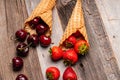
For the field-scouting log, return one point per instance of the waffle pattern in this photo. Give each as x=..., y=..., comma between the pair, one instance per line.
x=43, y=10
x=76, y=22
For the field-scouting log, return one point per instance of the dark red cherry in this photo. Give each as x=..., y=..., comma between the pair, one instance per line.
x=21, y=77
x=33, y=23
x=33, y=40
x=44, y=40
x=22, y=49
x=21, y=35
x=17, y=63
x=41, y=29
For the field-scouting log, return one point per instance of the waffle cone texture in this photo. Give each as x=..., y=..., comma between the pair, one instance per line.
x=44, y=11
x=76, y=22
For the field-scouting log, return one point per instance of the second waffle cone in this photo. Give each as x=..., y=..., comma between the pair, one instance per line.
x=76, y=22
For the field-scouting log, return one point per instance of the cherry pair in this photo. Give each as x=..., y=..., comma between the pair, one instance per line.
x=38, y=24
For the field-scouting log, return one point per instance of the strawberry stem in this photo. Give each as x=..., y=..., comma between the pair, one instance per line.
x=49, y=76
x=83, y=49
x=67, y=63
x=50, y=51
x=69, y=44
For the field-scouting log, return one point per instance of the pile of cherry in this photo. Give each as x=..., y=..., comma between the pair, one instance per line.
x=71, y=48
x=25, y=40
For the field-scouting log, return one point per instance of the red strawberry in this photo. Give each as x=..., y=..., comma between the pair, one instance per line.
x=56, y=53
x=52, y=73
x=68, y=43
x=81, y=47
x=69, y=74
x=70, y=57
x=77, y=34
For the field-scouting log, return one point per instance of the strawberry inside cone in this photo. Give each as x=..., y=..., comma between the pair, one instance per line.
x=81, y=47
x=69, y=43
x=78, y=35
x=71, y=40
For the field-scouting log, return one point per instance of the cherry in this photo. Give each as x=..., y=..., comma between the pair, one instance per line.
x=41, y=29
x=22, y=49
x=44, y=40
x=33, y=40
x=21, y=35
x=21, y=77
x=17, y=63
x=33, y=23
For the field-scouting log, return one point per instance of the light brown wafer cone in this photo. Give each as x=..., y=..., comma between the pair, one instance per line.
x=44, y=11
x=76, y=22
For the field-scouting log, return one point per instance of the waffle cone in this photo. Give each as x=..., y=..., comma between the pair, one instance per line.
x=44, y=11
x=76, y=22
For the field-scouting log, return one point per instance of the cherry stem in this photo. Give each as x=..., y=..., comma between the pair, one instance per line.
x=13, y=38
x=25, y=46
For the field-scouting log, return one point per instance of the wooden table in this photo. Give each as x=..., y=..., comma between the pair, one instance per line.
x=102, y=22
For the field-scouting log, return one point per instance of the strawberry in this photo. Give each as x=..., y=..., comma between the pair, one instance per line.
x=68, y=43
x=52, y=73
x=69, y=74
x=70, y=57
x=81, y=47
x=56, y=53
x=78, y=35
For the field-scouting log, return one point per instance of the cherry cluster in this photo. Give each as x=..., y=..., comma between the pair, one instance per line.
x=26, y=40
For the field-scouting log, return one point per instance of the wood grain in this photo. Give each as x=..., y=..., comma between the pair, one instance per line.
x=12, y=19
x=99, y=64
x=111, y=19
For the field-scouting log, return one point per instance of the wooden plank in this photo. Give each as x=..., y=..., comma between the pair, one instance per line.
x=100, y=63
x=30, y=5
x=111, y=19
x=44, y=55
x=97, y=65
x=105, y=53
x=5, y=63
x=12, y=19
x=111, y=8
x=65, y=8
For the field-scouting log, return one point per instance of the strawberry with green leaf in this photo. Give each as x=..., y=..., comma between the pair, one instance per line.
x=52, y=73
x=81, y=47
x=70, y=57
x=69, y=43
x=56, y=53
